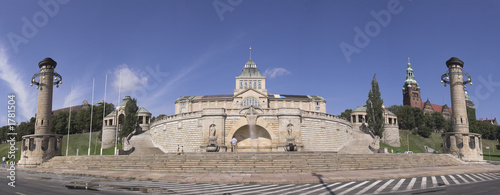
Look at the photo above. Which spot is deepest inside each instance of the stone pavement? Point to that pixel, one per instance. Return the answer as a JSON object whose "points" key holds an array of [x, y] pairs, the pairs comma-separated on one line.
{"points": [[277, 178]]}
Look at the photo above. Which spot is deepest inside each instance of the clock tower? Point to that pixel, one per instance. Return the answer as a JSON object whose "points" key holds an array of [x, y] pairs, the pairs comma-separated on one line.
{"points": [[411, 89]]}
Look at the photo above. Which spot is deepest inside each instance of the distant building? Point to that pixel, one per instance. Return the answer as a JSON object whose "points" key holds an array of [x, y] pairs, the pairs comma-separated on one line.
{"points": [[412, 97], [492, 121], [391, 127], [76, 108]]}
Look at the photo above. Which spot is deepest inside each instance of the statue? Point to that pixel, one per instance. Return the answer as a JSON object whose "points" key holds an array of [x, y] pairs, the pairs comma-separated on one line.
{"points": [[212, 130], [289, 128]]}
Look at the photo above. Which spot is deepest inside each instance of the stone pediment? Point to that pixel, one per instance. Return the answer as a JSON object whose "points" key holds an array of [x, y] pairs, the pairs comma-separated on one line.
{"points": [[250, 92]]}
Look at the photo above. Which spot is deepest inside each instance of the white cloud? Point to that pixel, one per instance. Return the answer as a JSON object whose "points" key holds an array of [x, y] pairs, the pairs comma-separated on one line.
{"points": [[275, 72], [25, 98], [74, 96], [131, 80]]}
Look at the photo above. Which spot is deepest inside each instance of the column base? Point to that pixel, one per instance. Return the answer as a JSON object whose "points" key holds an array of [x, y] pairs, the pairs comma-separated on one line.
{"points": [[465, 146], [37, 149]]}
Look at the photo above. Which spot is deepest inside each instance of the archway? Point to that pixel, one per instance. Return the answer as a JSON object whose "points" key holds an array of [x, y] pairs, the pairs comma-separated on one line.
{"points": [[261, 139]]}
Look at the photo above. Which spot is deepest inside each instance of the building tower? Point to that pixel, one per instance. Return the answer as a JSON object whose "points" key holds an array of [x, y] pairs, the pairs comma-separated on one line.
{"points": [[460, 142], [43, 145], [250, 77], [411, 89]]}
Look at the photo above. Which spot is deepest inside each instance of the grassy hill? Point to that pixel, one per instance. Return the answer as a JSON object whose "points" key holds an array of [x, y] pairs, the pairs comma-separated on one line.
{"points": [[76, 141], [416, 144]]}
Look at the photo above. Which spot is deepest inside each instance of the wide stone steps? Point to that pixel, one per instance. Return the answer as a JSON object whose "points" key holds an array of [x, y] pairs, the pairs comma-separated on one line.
{"points": [[291, 162]]}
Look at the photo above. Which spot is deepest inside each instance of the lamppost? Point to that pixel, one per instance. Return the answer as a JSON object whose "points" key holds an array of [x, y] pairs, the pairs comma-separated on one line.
{"points": [[43, 145], [457, 142]]}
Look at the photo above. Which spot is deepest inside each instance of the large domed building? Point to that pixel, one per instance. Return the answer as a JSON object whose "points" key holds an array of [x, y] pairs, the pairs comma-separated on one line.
{"points": [[260, 121]]}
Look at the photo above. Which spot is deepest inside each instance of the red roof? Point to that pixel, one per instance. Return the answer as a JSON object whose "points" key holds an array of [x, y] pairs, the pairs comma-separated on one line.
{"points": [[436, 108]]}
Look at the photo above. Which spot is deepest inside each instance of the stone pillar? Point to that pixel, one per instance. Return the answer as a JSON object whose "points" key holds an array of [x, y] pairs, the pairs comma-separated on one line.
{"points": [[43, 145], [460, 142]]}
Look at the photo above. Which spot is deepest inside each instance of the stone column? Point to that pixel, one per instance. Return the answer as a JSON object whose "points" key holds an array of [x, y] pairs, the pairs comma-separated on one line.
{"points": [[43, 145], [460, 142]]}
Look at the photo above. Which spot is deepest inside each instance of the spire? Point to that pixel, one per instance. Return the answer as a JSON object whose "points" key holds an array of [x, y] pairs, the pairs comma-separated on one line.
{"points": [[410, 78], [250, 52]]}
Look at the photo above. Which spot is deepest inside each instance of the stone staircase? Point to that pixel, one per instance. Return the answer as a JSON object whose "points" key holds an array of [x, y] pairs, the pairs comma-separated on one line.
{"points": [[143, 145], [282, 162]]}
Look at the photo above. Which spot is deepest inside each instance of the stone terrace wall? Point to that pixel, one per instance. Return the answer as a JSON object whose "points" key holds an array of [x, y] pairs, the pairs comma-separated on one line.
{"points": [[181, 129], [324, 132]]}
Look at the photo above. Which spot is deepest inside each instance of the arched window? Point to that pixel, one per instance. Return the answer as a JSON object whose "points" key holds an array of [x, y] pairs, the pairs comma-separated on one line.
{"points": [[250, 101]]}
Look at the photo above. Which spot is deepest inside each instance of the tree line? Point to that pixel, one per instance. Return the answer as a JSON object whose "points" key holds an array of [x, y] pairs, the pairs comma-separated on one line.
{"points": [[414, 119], [80, 122]]}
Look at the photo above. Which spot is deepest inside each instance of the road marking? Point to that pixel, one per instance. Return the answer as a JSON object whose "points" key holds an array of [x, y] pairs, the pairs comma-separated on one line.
{"points": [[352, 188], [423, 185], [445, 180], [368, 187], [383, 186], [463, 179], [20, 193], [470, 178], [434, 182], [492, 175], [338, 188], [487, 176], [253, 192], [454, 180], [410, 185], [396, 187], [326, 188], [246, 188], [298, 186], [482, 179], [304, 188]]}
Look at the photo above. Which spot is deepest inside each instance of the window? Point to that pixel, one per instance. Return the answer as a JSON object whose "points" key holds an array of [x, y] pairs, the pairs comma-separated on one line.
{"points": [[250, 101], [317, 109], [140, 120], [255, 84], [241, 84], [183, 110], [259, 85], [245, 84], [317, 103]]}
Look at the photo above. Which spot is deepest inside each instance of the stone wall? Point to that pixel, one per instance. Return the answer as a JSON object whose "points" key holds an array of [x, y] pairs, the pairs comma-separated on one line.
{"points": [[391, 135], [313, 131], [325, 133], [108, 136]]}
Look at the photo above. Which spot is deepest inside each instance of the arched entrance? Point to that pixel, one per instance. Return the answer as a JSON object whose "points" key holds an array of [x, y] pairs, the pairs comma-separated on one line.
{"points": [[261, 141]]}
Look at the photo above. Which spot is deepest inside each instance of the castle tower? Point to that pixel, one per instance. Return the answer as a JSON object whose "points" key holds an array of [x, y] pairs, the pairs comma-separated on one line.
{"points": [[411, 89], [250, 77], [43, 145], [460, 142]]}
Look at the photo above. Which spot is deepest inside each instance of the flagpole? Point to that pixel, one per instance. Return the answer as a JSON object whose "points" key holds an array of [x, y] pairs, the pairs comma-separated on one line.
{"points": [[91, 115], [104, 109], [69, 120], [117, 114]]}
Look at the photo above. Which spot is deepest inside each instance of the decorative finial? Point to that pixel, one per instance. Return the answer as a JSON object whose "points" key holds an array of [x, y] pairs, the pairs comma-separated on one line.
{"points": [[408, 59], [250, 52]]}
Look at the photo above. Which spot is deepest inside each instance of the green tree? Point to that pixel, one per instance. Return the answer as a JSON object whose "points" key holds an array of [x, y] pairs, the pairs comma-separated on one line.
{"points": [[346, 114], [81, 121], [439, 121], [374, 110], [428, 121], [60, 122], [406, 118], [394, 109], [424, 131], [418, 115], [130, 122]]}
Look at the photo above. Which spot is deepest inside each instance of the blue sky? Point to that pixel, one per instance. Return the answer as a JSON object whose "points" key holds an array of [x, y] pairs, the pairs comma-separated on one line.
{"points": [[167, 49]]}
